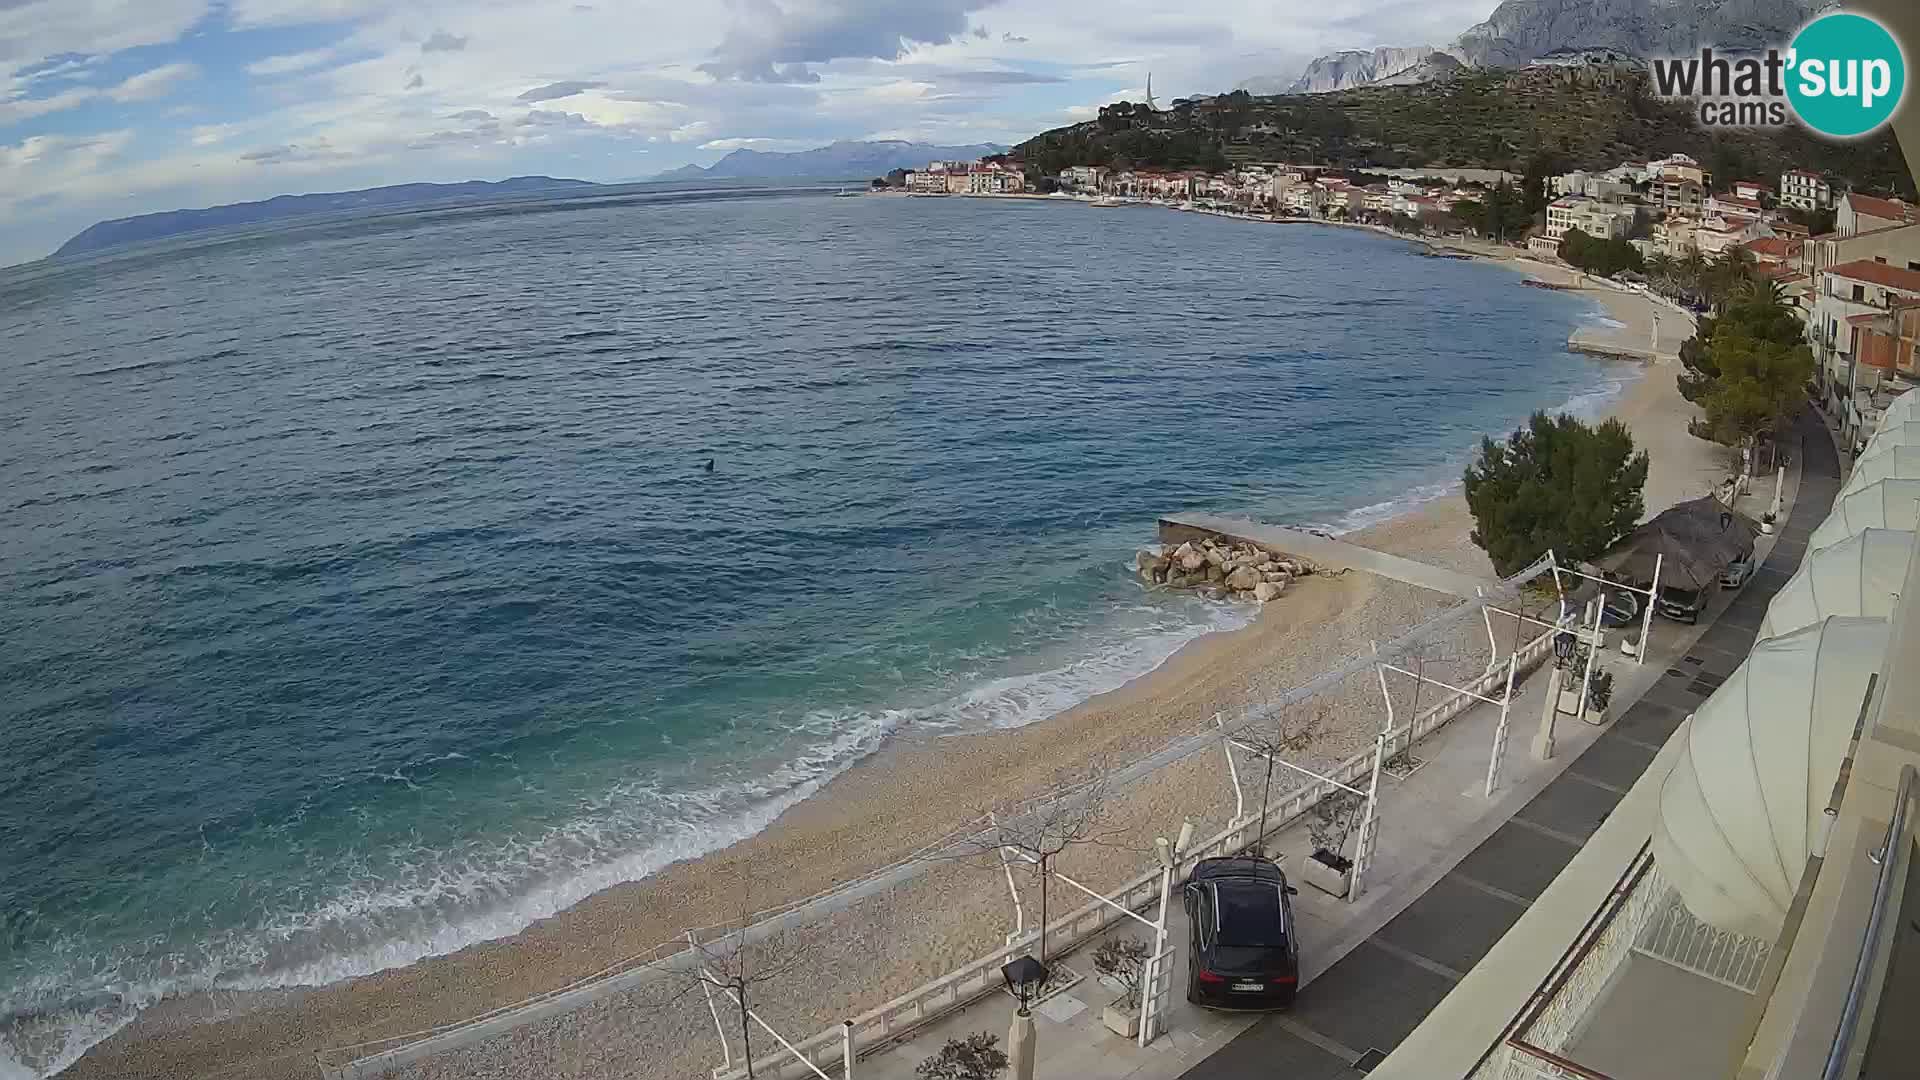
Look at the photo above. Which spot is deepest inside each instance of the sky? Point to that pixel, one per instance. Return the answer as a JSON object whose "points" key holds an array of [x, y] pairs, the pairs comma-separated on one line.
{"points": [[112, 108]]}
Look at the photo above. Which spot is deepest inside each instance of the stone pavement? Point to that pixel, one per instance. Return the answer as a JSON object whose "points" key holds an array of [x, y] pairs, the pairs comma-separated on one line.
{"points": [[1352, 1016]]}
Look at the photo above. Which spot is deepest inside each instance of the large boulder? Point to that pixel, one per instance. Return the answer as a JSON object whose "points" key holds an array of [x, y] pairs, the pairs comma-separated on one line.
{"points": [[1244, 578], [1216, 575], [1216, 556], [1192, 560], [1267, 590]]}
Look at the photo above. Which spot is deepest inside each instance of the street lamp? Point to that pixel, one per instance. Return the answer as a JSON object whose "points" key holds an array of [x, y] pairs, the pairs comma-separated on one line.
{"points": [[1024, 978]]}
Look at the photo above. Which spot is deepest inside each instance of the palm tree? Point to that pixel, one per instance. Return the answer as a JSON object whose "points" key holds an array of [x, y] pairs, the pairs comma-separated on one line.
{"points": [[1758, 288]]}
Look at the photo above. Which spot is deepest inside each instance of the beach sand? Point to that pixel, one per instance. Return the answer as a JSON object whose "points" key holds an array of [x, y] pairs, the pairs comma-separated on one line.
{"points": [[915, 790]]}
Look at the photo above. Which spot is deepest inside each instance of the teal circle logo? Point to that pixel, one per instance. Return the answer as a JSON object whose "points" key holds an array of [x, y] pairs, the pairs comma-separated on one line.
{"points": [[1845, 75]]}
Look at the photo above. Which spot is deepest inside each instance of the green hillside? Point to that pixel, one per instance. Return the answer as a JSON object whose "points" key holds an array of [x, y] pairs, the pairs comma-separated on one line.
{"points": [[1552, 120]]}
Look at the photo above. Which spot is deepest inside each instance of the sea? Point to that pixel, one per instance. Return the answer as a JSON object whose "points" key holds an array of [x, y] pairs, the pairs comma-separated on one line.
{"points": [[379, 587]]}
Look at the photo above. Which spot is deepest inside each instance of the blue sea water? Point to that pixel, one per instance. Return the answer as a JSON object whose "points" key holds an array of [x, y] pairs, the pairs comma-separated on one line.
{"points": [[364, 592]]}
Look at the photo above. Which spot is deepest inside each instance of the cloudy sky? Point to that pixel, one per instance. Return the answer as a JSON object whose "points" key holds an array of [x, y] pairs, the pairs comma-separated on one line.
{"points": [[110, 108]]}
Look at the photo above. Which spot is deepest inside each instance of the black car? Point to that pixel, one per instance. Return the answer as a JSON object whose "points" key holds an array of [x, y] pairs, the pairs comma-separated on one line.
{"points": [[1681, 605], [1243, 953]]}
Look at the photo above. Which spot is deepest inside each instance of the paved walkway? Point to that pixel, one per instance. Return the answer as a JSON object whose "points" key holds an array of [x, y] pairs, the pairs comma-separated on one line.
{"points": [[1332, 554], [1350, 1017]]}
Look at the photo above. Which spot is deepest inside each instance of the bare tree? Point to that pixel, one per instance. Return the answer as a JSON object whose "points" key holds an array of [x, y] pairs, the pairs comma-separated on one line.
{"points": [[1038, 831], [1290, 735], [738, 968]]}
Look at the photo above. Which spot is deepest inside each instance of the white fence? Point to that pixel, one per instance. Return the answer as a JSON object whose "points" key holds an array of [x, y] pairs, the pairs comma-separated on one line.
{"points": [[1675, 936]]}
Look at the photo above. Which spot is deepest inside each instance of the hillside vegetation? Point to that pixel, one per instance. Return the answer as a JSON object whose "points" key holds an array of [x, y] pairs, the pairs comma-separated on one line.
{"points": [[1551, 119]]}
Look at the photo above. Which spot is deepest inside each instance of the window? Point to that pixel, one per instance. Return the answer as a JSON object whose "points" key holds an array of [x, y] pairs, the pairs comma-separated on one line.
{"points": [[1881, 259], [1860, 294]]}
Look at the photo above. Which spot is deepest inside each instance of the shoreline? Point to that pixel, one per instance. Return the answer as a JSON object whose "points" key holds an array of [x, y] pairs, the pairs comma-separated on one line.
{"points": [[912, 788]]}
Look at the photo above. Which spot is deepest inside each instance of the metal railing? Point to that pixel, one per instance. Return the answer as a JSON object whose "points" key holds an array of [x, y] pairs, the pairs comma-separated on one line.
{"points": [[1887, 858]]}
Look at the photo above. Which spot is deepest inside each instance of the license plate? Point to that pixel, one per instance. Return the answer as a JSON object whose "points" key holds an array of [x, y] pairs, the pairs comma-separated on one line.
{"points": [[1253, 986]]}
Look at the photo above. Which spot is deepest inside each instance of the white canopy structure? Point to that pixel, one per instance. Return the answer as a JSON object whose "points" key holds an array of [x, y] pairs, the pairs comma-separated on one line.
{"points": [[1861, 576], [1906, 433], [1896, 463], [1742, 808], [1886, 504], [1903, 409]]}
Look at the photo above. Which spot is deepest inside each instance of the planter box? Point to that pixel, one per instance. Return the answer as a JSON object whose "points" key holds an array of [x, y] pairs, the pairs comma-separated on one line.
{"points": [[1569, 702], [1767, 527], [1328, 873], [1121, 1020]]}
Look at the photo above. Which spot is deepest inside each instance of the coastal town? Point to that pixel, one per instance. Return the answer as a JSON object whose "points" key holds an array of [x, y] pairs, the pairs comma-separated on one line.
{"points": [[1846, 262]]}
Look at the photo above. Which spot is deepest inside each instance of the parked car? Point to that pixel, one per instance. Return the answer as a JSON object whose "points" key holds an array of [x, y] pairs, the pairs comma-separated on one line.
{"points": [[1243, 953], [1735, 575], [1681, 605]]}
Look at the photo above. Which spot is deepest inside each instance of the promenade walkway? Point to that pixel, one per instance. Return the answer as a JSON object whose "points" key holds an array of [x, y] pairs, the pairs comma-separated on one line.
{"points": [[1331, 554], [1353, 1015]]}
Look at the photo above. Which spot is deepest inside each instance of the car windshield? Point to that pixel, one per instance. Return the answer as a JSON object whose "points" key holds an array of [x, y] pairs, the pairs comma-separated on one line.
{"points": [[1250, 916]]}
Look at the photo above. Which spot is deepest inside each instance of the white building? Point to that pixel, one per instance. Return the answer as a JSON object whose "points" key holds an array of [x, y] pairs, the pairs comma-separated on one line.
{"points": [[1805, 190], [1608, 221]]}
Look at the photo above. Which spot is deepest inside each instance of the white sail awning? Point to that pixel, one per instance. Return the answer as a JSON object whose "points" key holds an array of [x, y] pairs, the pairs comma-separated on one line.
{"points": [[1904, 408], [1860, 576], [1895, 463], [1885, 504], [1741, 810], [1901, 434]]}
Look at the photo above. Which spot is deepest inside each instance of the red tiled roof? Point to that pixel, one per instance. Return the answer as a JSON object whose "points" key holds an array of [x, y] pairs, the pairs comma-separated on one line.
{"points": [[1735, 200], [1887, 209], [1803, 172], [1887, 277], [1778, 247]]}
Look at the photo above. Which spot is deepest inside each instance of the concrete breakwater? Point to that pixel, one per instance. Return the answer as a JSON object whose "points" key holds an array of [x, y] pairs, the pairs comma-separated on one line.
{"points": [[1229, 568]]}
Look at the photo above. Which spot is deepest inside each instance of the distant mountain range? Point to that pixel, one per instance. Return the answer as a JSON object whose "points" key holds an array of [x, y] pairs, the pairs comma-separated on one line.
{"points": [[1520, 31], [844, 160], [145, 227]]}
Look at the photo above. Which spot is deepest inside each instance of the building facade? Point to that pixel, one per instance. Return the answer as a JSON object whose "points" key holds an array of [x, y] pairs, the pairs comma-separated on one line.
{"points": [[1804, 190]]}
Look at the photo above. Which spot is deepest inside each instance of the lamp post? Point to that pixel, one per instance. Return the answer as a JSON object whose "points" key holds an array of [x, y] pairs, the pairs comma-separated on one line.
{"points": [[1024, 977], [1564, 644]]}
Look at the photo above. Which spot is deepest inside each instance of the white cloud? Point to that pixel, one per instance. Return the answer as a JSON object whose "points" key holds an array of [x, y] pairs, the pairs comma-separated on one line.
{"points": [[33, 31], [153, 83], [693, 132], [298, 12], [288, 63], [41, 160], [18, 109], [210, 134], [758, 144]]}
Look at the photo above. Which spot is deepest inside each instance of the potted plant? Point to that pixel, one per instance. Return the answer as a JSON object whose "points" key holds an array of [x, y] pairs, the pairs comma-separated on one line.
{"points": [[1124, 960], [1766, 523], [1328, 869], [1600, 694], [976, 1057]]}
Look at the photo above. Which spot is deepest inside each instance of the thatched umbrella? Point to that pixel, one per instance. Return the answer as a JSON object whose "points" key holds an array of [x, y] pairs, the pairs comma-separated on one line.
{"points": [[1693, 541]]}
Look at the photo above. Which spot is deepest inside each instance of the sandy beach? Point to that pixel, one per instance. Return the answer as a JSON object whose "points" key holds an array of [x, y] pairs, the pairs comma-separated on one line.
{"points": [[916, 789]]}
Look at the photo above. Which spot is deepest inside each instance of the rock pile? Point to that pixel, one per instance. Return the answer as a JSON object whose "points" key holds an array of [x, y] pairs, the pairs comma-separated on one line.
{"points": [[1227, 568]]}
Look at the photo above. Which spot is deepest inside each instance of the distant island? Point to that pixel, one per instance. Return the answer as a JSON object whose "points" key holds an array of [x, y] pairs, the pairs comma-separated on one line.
{"points": [[844, 160], [145, 227]]}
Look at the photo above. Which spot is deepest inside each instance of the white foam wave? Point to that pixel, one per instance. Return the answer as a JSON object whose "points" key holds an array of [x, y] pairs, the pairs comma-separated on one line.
{"points": [[1013, 701], [415, 904]]}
